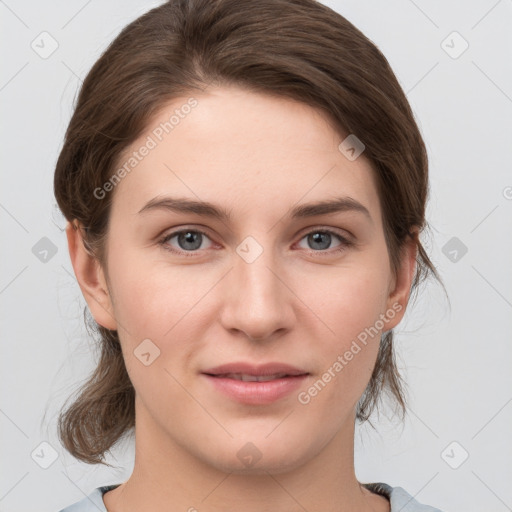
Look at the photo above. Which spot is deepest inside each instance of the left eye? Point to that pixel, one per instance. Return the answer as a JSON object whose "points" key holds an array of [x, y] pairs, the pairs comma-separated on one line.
{"points": [[320, 240]]}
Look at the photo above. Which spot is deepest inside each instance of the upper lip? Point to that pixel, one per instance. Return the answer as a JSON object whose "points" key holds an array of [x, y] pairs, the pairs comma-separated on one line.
{"points": [[262, 370]]}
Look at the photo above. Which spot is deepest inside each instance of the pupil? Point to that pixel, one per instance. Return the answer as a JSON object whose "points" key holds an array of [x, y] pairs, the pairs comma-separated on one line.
{"points": [[190, 237], [317, 239]]}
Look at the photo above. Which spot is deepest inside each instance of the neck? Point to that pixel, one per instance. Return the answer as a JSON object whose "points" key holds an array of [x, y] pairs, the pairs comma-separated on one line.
{"points": [[167, 475]]}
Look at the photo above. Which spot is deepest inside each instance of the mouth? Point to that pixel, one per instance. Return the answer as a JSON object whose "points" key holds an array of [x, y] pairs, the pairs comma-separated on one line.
{"points": [[244, 369], [245, 377], [255, 385]]}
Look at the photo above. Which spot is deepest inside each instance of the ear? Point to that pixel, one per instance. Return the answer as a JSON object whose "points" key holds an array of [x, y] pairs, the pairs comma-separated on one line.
{"points": [[90, 277], [400, 287]]}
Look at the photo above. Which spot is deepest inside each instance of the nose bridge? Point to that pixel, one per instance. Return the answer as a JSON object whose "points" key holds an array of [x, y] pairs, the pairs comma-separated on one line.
{"points": [[259, 303]]}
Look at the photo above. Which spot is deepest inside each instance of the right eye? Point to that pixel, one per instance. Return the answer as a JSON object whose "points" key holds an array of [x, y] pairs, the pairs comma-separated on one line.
{"points": [[188, 240]]}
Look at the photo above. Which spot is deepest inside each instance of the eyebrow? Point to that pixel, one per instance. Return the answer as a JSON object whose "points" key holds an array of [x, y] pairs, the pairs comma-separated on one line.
{"points": [[206, 209]]}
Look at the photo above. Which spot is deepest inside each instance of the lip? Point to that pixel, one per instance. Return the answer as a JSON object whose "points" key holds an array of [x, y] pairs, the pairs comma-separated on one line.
{"points": [[256, 370], [256, 393]]}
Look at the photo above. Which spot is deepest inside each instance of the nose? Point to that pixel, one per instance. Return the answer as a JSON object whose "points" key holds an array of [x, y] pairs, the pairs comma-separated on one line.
{"points": [[257, 299]]}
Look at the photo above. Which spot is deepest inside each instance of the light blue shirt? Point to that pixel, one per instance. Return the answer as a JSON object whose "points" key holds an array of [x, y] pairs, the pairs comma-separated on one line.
{"points": [[400, 500]]}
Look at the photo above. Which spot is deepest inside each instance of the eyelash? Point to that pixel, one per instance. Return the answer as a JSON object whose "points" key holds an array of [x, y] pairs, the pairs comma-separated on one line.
{"points": [[345, 243]]}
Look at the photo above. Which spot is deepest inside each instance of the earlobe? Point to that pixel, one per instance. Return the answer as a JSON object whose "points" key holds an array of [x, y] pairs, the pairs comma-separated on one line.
{"points": [[403, 281], [90, 277]]}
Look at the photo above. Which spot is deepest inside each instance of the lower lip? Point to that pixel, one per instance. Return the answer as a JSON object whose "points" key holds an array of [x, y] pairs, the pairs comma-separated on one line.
{"points": [[257, 393]]}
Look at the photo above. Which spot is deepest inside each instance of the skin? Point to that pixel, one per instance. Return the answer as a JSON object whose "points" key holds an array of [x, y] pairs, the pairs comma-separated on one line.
{"points": [[257, 156]]}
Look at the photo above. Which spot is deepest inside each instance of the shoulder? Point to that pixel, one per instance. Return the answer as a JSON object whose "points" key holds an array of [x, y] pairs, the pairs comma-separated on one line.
{"points": [[400, 499], [91, 503]]}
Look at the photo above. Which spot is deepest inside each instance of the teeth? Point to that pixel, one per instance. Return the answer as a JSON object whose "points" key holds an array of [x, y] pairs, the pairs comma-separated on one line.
{"points": [[253, 378]]}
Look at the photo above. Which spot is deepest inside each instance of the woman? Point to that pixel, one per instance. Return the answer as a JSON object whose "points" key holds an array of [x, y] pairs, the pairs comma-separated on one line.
{"points": [[245, 186]]}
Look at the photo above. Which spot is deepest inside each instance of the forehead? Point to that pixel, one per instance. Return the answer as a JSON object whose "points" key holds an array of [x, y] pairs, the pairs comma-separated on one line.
{"points": [[243, 149]]}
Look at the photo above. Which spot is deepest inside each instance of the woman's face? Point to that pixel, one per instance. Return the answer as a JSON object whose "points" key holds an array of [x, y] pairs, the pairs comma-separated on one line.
{"points": [[266, 279]]}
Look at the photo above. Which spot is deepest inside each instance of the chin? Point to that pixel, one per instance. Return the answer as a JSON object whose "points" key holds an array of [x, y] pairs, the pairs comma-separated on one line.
{"points": [[260, 456]]}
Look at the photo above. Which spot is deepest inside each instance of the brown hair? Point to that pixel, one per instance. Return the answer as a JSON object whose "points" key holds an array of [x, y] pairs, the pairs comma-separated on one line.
{"points": [[298, 49]]}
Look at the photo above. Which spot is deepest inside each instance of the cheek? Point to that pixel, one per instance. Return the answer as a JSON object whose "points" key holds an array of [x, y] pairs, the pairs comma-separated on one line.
{"points": [[153, 306], [346, 300], [348, 305], [151, 297]]}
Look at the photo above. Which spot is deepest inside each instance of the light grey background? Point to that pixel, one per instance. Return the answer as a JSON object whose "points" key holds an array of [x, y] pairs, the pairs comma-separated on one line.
{"points": [[457, 362]]}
